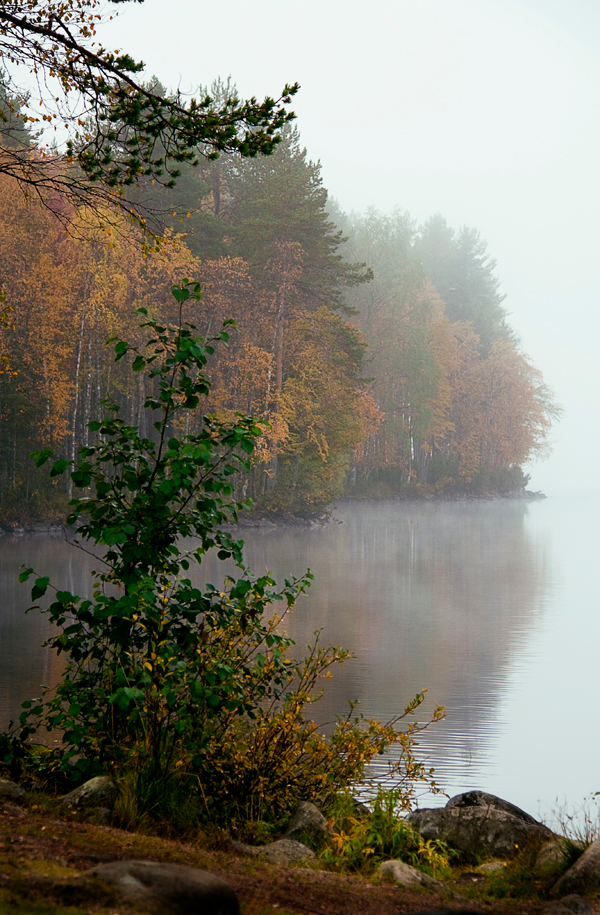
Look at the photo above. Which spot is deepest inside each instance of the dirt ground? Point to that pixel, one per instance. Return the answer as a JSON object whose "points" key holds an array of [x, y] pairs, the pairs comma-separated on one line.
{"points": [[43, 864]]}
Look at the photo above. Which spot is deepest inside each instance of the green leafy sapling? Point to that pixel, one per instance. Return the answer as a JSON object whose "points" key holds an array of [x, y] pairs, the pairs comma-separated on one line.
{"points": [[145, 663], [181, 691]]}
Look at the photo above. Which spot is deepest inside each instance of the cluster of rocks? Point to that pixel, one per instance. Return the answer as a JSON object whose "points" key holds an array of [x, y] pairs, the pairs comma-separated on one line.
{"points": [[477, 823], [474, 823]]}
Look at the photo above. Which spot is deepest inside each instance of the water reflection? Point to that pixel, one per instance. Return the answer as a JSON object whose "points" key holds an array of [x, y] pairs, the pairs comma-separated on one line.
{"points": [[443, 596], [24, 664], [427, 595]]}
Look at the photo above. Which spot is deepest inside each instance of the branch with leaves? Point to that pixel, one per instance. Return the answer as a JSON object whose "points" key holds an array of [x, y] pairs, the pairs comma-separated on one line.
{"points": [[120, 130]]}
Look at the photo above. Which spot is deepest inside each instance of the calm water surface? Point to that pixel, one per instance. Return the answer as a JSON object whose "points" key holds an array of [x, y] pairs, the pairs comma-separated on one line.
{"points": [[491, 606]]}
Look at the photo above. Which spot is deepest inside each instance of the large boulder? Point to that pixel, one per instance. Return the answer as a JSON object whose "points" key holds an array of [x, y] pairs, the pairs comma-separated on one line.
{"points": [[483, 799], [584, 875], [477, 830], [10, 791], [97, 792], [169, 888], [308, 826]]}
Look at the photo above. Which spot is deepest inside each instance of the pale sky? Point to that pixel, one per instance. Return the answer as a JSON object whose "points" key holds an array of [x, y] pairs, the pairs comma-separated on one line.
{"points": [[486, 111]]}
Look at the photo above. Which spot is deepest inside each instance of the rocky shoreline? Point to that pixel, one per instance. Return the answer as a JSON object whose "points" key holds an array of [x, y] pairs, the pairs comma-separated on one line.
{"points": [[103, 865]]}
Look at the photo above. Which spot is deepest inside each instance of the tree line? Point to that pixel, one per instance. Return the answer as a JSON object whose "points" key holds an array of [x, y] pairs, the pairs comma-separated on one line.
{"points": [[376, 352]]}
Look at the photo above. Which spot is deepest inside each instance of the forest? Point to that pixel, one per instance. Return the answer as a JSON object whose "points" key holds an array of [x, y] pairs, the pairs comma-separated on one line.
{"points": [[376, 352]]}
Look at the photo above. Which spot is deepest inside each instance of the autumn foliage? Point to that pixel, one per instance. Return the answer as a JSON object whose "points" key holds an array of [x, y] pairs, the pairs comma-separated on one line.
{"points": [[370, 372]]}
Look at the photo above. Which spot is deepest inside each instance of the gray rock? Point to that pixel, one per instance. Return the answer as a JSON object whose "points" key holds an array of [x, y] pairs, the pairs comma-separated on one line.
{"points": [[568, 905], [308, 826], [551, 855], [360, 810], [10, 790], [477, 830], [286, 851], [405, 875], [94, 793], [170, 888], [584, 875], [99, 816], [491, 867], [10, 811], [482, 799]]}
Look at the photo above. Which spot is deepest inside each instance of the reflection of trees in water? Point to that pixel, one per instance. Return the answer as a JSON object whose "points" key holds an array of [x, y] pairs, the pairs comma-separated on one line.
{"points": [[438, 595], [24, 664]]}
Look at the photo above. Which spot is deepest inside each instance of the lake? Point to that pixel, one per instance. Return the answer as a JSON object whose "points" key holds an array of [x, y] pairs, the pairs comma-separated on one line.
{"points": [[492, 606]]}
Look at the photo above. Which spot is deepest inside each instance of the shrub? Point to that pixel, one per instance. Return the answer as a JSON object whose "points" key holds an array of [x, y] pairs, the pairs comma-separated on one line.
{"points": [[189, 696], [363, 838]]}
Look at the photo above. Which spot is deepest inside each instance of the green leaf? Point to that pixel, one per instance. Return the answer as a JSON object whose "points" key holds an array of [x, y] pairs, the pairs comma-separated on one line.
{"points": [[181, 294], [40, 587], [59, 467], [40, 457]]}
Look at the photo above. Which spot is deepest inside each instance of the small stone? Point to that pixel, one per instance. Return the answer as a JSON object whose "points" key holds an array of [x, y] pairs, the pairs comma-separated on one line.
{"points": [[286, 851], [491, 867], [11, 790], [169, 888], [92, 793], [406, 875], [10, 811]]}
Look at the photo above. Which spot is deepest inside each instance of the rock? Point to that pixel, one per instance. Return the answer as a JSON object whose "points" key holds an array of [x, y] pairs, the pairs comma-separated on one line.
{"points": [[10, 811], [568, 905], [99, 816], [551, 855], [477, 830], [482, 799], [286, 851], [360, 810], [10, 790], [92, 793], [405, 875], [584, 875], [171, 888], [308, 826], [238, 848], [491, 867]]}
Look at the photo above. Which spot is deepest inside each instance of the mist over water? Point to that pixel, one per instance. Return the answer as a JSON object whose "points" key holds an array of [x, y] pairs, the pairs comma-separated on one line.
{"points": [[490, 605]]}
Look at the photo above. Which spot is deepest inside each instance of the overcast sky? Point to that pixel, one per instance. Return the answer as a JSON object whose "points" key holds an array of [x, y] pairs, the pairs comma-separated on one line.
{"points": [[486, 111]]}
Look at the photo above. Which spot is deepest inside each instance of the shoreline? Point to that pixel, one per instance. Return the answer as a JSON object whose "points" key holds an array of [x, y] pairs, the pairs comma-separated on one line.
{"points": [[55, 528]]}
